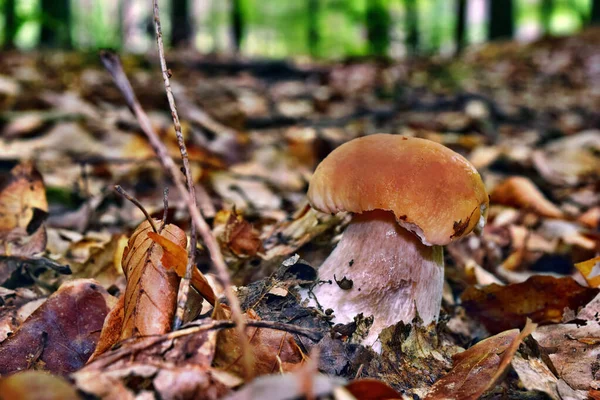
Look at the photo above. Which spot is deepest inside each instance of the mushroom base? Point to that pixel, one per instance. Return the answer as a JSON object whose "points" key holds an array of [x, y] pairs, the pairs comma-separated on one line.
{"points": [[393, 274]]}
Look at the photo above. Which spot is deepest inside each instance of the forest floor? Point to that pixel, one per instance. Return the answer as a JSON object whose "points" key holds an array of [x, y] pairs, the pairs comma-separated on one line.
{"points": [[526, 116]]}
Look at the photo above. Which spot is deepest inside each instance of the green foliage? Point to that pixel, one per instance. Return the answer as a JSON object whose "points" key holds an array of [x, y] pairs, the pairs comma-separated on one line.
{"points": [[328, 29]]}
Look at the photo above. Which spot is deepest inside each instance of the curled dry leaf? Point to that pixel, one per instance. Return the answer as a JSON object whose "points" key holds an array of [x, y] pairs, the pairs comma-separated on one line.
{"points": [[176, 257], [62, 333], [273, 350], [236, 234], [590, 270], [541, 298], [479, 368], [23, 209], [518, 191], [36, 385], [151, 293]]}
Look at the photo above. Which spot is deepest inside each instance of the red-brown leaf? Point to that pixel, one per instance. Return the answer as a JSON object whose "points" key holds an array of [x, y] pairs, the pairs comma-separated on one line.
{"points": [[62, 333]]}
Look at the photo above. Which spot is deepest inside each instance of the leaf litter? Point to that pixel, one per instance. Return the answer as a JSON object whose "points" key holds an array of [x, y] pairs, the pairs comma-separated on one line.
{"points": [[64, 145]]}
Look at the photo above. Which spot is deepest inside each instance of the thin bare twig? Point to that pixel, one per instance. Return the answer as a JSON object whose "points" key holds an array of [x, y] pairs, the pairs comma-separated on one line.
{"points": [[184, 284], [165, 207], [113, 65], [139, 205]]}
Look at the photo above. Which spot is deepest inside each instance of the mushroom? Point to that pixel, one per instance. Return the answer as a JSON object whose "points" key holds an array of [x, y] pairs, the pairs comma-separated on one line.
{"points": [[409, 197]]}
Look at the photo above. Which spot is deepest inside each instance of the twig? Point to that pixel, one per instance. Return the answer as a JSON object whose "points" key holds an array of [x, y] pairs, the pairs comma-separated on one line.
{"points": [[139, 344], [135, 201], [184, 284], [113, 65], [165, 207]]}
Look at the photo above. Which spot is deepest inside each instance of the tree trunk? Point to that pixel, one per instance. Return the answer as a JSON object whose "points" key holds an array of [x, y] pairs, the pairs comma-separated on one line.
{"points": [[10, 24], [412, 26], [237, 24], [547, 7], [501, 19], [461, 25], [595, 14], [56, 24], [181, 28], [314, 36], [378, 27]]}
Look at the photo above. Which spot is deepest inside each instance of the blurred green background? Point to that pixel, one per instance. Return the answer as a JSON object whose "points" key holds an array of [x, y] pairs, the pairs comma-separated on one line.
{"points": [[326, 29]]}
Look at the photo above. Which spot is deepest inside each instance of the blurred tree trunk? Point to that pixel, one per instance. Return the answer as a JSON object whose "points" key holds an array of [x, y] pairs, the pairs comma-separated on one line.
{"points": [[378, 27], [412, 26], [56, 24], [314, 36], [461, 25], [238, 23], [10, 24], [436, 30], [547, 8], [181, 28], [501, 19], [595, 14]]}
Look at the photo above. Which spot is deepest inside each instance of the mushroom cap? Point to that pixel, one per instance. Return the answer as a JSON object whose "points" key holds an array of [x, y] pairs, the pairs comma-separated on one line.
{"points": [[432, 190]]}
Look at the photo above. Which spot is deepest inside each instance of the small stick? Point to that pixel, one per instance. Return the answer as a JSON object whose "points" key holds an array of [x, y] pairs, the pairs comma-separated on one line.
{"points": [[184, 284], [139, 205], [113, 65], [165, 207]]}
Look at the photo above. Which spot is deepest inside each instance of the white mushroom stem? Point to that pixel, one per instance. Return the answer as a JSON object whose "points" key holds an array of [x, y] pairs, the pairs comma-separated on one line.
{"points": [[392, 272]]}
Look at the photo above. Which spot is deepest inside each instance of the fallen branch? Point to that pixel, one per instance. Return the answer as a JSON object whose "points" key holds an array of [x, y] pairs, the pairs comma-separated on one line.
{"points": [[113, 65]]}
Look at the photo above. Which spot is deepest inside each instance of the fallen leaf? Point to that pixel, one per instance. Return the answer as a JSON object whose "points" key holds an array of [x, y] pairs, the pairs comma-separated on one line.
{"points": [[518, 191], [176, 257], [237, 234], [36, 385], [284, 387], [111, 329], [590, 218], [590, 270], [479, 368], [23, 209], [273, 350], [541, 298], [572, 353], [371, 389], [173, 365], [62, 333]]}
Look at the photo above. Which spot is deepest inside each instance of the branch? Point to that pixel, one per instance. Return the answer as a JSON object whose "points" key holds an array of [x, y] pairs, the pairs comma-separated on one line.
{"points": [[113, 65], [184, 285]]}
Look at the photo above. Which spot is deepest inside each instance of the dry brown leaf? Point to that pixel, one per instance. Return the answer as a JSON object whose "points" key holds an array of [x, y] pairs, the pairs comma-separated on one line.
{"points": [[590, 218], [174, 365], [518, 191], [151, 293], [176, 257], [36, 385], [23, 209], [541, 298], [573, 352], [590, 271], [371, 389], [111, 329], [479, 368], [237, 234], [62, 333], [273, 350]]}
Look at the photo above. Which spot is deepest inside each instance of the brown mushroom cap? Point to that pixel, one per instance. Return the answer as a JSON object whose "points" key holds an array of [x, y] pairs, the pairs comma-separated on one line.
{"points": [[431, 190]]}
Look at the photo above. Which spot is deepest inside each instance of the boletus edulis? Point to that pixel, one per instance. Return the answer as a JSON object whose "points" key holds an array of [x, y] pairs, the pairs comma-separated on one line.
{"points": [[409, 197]]}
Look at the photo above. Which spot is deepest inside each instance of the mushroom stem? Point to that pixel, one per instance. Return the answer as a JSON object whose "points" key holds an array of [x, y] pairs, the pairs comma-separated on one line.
{"points": [[391, 271]]}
